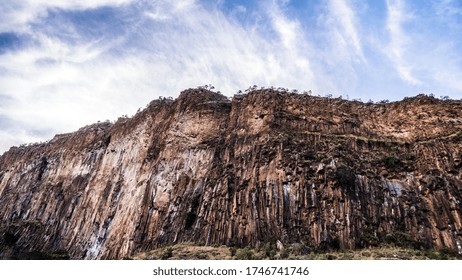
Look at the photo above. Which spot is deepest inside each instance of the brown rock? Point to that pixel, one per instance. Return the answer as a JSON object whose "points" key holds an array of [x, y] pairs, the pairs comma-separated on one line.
{"points": [[265, 166]]}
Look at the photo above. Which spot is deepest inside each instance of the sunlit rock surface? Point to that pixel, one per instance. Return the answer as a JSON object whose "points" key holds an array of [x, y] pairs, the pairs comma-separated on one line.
{"points": [[264, 166]]}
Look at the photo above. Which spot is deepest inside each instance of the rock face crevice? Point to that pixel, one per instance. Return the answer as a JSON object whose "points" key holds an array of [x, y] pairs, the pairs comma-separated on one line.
{"points": [[264, 166]]}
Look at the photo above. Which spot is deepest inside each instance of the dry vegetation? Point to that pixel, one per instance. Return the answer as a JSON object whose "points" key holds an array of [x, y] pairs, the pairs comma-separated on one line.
{"points": [[189, 251]]}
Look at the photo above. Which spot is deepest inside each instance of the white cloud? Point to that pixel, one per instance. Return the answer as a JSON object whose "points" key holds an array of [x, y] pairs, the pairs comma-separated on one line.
{"points": [[288, 30], [445, 8], [292, 46], [157, 16], [426, 58], [183, 4], [337, 47], [442, 66], [399, 42], [18, 14], [241, 9], [58, 87], [343, 22]]}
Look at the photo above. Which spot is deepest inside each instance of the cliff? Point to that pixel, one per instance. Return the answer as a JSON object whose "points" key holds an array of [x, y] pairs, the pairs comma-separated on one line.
{"points": [[266, 166]]}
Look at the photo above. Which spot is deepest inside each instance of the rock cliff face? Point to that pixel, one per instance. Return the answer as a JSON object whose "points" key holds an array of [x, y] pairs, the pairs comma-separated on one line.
{"points": [[265, 166]]}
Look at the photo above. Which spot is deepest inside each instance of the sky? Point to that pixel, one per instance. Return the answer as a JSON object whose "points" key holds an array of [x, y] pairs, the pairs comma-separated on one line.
{"points": [[68, 63]]}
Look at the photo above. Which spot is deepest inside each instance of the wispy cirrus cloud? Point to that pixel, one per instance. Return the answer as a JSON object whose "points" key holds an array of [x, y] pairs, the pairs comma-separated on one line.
{"points": [[344, 28], [337, 47], [18, 14], [293, 47], [448, 8], [399, 40], [423, 45]]}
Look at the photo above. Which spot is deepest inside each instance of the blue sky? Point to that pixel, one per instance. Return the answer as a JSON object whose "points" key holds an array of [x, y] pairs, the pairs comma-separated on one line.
{"points": [[68, 63]]}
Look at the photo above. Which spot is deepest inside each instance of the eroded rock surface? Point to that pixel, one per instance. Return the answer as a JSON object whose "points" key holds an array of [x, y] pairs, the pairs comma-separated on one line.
{"points": [[265, 166]]}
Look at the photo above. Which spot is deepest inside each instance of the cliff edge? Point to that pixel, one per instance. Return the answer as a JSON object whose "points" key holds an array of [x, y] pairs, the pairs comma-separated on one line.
{"points": [[264, 166]]}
